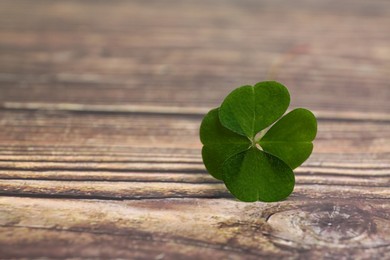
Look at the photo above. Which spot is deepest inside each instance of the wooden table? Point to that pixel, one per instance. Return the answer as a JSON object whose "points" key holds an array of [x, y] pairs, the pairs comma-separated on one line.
{"points": [[101, 103]]}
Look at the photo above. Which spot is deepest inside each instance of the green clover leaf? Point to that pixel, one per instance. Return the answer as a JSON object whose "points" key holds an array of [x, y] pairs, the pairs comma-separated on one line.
{"points": [[291, 137], [249, 109], [219, 143], [253, 169], [255, 175]]}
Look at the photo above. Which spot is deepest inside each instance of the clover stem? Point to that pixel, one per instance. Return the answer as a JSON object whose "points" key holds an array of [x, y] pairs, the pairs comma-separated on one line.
{"points": [[259, 135], [253, 140], [255, 143], [256, 139]]}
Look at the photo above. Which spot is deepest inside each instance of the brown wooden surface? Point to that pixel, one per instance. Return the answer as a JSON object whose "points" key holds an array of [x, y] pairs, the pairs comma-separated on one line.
{"points": [[100, 106]]}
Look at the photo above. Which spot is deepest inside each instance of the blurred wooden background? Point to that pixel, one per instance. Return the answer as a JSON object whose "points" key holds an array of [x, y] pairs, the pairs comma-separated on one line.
{"points": [[100, 106]]}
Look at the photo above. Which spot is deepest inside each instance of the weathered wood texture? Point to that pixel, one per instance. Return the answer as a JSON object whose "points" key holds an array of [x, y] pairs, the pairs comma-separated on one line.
{"points": [[100, 106]]}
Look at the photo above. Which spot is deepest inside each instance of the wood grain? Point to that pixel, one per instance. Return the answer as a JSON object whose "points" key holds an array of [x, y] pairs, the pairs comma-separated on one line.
{"points": [[195, 228], [194, 53], [100, 107]]}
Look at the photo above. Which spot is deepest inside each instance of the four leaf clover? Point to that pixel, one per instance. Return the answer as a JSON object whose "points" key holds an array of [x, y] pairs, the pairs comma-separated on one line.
{"points": [[256, 164]]}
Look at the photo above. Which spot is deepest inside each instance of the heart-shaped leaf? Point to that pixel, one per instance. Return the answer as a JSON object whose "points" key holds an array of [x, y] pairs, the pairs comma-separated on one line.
{"points": [[219, 143], [291, 137], [230, 151], [255, 175], [249, 109]]}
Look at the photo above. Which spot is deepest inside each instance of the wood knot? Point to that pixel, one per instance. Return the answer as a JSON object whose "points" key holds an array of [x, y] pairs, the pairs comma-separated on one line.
{"points": [[330, 224], [334, 223]]}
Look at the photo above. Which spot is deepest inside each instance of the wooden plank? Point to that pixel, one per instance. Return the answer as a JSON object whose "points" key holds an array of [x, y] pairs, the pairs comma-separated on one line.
{"points": [[156, 229], [146, 190], [141, 130], [138, 59]]}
